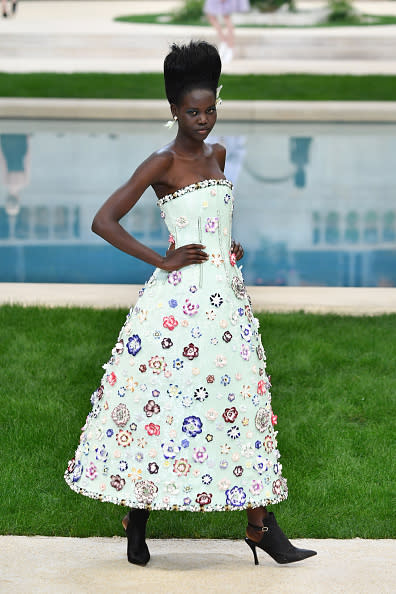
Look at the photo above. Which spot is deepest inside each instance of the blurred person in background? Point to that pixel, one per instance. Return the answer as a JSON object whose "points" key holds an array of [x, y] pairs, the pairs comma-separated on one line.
{"points": [[13, 7], [217, 11]]}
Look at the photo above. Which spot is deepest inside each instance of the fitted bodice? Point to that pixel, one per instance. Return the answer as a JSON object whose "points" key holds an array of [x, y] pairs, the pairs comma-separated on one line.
{"points": [[200, 213]]}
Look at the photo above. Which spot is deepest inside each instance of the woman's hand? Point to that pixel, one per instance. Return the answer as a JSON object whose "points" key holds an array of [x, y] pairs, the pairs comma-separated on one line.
{"points": [[237, 249], [185, 255]]}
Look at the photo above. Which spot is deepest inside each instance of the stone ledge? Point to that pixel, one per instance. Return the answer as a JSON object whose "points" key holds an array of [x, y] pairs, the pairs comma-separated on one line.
{"points": [[338, 300], [153, 109]]}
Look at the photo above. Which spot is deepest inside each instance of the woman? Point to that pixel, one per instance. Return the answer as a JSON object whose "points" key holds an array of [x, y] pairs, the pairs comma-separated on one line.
{"points": [[182, 419]]}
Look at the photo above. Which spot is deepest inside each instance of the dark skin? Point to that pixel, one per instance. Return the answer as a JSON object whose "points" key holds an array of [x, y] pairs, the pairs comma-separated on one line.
{"points": [[184, 161]]}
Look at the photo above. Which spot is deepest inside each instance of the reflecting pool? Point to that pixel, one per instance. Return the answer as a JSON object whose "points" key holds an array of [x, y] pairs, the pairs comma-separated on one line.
{"points": [[315, 204]]}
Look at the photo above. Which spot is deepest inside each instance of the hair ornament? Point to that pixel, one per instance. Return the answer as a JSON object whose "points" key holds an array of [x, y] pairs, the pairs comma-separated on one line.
{"points": [[219, 100], [170, 123]]}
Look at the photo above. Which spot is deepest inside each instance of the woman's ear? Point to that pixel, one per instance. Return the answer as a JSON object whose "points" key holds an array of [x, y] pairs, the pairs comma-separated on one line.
{"points": [[173, 108]]}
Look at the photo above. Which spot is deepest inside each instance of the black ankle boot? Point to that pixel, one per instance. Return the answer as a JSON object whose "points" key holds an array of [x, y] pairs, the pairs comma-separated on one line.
{"points": [[137, 549], [275, 543]]}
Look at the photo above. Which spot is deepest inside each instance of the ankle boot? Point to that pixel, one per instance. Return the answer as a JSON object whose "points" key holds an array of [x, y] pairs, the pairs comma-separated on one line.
{"points": [[137, 549], [275, 543]]}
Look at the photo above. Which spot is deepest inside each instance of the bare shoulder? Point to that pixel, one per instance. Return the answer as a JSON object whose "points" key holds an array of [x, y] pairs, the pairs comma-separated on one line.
{"points": [[219, 152]]}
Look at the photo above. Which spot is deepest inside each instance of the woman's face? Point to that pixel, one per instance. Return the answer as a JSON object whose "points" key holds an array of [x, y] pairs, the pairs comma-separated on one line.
{"points": [[196, 113]]}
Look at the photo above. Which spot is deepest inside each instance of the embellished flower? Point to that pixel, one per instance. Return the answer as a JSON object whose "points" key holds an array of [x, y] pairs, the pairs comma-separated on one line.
{"points": [[211, 314], [209, 437], [117, 482], [145, 491], [261, 465], [191, 351], [190, 309], [77, 470], [174, 278], [123, 465], [227, 336], [170, 449], [233, 259], [196, 332], [181, 222], [173, 391], [91, 471], [225, 380], [204, 498], [153, 468], [142, 315], [235, 496], [238, 471], [274, 419], [200, 454], [260, 352], [111, 378], [234, 432], [134, 344], [262, 420], [172, 303], [152, 429], [238, 287], [211, 414], [142, 368], [256, 487], [220, 361], [124, 438], [245, 392], [216, 299], [192, 426], [119, 347], [157, 364], [206, 479], [101, 453], [227, 198], [268, 444], [181, 467], [121, 392], [166, 343], [178, 364], [212, 223], [200, 394], [245, 352], [247, 450], [157, 334], [193, 289], [278, 486], [261, 387], [171, 239], [170, 322], [210, 379], [155, 393], [216, 259], [230, 414], [187, 400], [120, 415], [223, 484]]}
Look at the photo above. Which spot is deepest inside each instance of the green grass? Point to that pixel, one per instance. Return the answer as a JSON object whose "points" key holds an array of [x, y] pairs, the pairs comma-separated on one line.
{"points": [[334, 386], [298, 87], [367, 21]]}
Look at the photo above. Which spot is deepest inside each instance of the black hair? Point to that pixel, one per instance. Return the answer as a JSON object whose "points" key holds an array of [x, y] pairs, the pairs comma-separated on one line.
{"points": [[192, 66]]}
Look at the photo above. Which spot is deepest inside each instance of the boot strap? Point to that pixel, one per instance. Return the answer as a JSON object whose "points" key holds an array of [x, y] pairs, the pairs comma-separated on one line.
{"points": [[259, 528]]}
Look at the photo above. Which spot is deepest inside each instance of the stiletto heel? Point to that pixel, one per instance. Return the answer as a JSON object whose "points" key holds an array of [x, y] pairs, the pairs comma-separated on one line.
{"points": [[135, 527], [252, 545], [275, 543]]}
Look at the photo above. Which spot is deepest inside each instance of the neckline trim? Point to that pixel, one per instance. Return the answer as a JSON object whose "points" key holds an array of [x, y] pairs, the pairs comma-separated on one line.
{"points": [[206, 183]]}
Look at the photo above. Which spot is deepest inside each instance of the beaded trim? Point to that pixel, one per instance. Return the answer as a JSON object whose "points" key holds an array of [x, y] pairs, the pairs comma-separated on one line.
{"points": [[193, 507], [206, 183]]}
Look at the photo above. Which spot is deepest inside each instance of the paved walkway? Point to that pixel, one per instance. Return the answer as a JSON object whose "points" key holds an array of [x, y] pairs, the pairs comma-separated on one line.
{"points": [[82, 36], [73, 565]]}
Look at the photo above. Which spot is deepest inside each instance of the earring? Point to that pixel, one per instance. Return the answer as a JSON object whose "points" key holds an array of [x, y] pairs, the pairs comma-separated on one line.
{"points": [[171, 123]]}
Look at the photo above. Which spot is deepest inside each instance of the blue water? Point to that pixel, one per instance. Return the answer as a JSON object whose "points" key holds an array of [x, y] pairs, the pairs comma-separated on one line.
{"points": [[315, 203]]}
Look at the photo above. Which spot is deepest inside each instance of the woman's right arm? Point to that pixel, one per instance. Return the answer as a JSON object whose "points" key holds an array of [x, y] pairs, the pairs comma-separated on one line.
{"points": [[106, 221]]}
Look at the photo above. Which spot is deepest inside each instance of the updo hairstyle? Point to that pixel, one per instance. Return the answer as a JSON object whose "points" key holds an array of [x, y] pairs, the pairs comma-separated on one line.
{"points": [[193, 66]]}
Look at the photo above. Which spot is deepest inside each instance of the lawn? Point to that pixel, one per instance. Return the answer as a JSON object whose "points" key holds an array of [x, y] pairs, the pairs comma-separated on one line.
{"points": [[334, 386], [250, 87]]}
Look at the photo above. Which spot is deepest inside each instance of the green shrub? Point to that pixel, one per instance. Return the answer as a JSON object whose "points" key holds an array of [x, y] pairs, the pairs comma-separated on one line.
{"points": [[192, 10], [272, 5], [341, 10]]}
